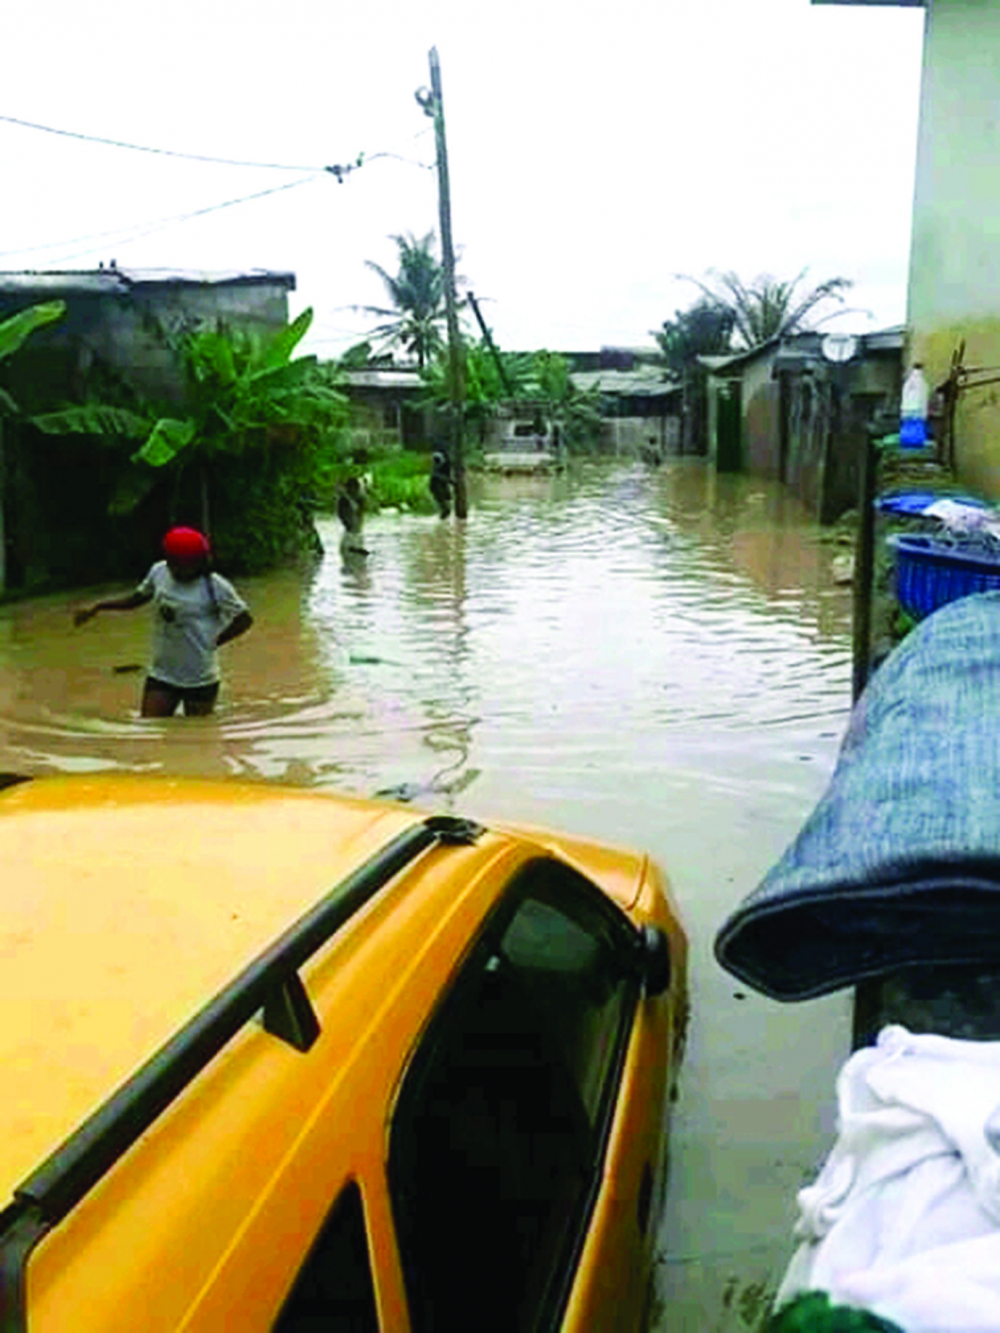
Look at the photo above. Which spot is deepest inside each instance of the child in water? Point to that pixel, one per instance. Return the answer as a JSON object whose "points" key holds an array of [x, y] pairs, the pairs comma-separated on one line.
{"points": [[194, 612]]}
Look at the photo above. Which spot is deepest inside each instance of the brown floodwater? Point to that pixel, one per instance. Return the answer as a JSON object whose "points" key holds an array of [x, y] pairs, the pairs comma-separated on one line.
{"points": [[657, 658]]}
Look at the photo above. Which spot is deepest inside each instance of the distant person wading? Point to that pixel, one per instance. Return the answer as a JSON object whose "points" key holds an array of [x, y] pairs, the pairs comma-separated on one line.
{"points": [[351, 512], [441, 484], [195, 611]]}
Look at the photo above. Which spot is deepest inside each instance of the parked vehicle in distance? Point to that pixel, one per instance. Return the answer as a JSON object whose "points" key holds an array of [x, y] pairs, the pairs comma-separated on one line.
{"points": [[280, 1060]]}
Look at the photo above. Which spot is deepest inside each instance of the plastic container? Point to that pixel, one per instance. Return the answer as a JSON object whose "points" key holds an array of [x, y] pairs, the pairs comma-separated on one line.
{"points": [[930, 573], [912, 504], [913, 410]]}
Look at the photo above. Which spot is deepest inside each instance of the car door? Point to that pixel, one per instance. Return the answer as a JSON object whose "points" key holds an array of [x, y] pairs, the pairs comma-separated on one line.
{"points": [[500, 1126]]}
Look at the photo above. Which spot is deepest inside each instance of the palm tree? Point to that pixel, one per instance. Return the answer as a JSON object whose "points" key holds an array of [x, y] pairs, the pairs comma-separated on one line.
{"points": [[767, 307], [417, 295]]}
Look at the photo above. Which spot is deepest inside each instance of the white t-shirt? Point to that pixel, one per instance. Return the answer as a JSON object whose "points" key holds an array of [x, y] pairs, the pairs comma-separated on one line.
{"points": [[186, 623]]}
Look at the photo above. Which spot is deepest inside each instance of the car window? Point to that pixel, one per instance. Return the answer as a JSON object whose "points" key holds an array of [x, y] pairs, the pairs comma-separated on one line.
{"points": [[334, 1291], [500, 1123]]}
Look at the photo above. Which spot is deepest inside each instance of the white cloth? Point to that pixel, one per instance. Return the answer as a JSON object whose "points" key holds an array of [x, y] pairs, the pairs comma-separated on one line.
{"points": [[187, 619], [904, 1217], [965, 520]]}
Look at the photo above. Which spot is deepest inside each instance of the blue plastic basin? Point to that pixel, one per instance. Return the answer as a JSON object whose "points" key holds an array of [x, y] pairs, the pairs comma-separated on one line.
{"points": [[930, 573]]}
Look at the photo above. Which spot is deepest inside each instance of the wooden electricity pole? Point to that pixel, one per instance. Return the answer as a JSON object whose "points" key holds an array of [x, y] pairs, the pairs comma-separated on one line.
{"points": [[456, 363], [491, 345]]}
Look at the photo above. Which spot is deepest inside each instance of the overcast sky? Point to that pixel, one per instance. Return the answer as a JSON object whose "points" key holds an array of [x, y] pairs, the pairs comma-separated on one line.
{"points": [[595, 152]]}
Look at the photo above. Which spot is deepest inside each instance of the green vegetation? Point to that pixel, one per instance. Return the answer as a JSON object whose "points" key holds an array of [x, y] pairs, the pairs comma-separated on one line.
{"points": [[14, 332], [398, 480], [539, 377], [256, 442], [704, 330], [812, 1312], [416, 291], [257, 438], [767, 307]]}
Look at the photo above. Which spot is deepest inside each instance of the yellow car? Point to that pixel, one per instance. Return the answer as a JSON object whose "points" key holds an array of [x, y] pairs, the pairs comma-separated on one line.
{"points": [[273, 1059]]}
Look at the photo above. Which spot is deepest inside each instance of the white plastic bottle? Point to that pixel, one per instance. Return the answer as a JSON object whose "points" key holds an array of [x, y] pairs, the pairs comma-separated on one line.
{"points": [[913, 413]]}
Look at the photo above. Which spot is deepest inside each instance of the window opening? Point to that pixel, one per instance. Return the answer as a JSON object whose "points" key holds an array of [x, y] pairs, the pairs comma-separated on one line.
{"points": [[502, 1118], [334, 1292]]}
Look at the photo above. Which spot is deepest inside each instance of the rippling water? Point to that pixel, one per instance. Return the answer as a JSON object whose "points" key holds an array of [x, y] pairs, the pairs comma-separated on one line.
{"points": [[657, 658]]}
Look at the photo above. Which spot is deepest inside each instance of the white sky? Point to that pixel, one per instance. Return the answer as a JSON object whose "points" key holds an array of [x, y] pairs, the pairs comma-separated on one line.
{"points": [[595, 152]]}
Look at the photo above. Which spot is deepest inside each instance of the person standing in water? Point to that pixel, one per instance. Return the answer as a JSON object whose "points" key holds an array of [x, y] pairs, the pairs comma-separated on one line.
{"points": [[441, 483], [195, 611], [351, 512]]}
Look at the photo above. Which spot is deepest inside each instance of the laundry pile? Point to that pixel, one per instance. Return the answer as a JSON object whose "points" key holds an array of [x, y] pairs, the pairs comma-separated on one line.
{"points": [[904, 1217]]}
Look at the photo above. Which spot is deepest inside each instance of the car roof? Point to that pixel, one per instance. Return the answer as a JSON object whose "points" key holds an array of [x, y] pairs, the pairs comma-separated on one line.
{"points": [[129, 902]]}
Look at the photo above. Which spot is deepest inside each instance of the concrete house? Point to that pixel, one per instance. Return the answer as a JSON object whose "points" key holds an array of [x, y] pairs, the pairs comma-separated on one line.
{"points": [[126, 321], [783, 410], [387, 407], [640, 407], [953, 311], [118, 340]]}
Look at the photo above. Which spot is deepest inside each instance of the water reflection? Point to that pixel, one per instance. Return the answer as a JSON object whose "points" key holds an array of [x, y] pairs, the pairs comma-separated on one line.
{"points": [[659, 658]]}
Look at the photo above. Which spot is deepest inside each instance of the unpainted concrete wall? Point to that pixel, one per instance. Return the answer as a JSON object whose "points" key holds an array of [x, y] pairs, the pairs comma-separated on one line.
{"points": [[129, 334], [954, 288]]}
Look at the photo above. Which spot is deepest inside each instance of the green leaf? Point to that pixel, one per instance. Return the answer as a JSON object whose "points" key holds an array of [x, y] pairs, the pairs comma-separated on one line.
{"points": [[279, 350], [17, 328], [93, 420], [132, 487], [284, 377], [7, 405], [211, 355], [167, 438]]}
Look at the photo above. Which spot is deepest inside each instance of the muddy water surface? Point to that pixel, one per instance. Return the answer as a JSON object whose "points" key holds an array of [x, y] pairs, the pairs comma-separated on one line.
{"points": [[655, 658]]}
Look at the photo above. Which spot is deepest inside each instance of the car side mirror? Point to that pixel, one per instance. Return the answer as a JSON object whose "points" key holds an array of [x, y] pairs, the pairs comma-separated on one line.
{"points": [[654, 955]]}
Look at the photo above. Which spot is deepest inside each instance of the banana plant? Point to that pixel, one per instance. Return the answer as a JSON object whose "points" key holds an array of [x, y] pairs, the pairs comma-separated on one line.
{"points": [[88, 419], [15, 330], [242, 388]]}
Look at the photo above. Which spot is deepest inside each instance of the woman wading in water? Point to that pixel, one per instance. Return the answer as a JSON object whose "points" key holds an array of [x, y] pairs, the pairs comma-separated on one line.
{"points": [[194, 612]]}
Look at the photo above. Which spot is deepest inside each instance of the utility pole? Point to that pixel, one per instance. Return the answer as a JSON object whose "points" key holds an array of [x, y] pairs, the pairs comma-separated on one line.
{"points": [[488, 339], [456, 364]]}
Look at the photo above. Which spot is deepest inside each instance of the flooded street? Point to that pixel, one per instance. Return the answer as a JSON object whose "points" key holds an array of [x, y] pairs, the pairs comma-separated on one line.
{"points": [[658, 658]]}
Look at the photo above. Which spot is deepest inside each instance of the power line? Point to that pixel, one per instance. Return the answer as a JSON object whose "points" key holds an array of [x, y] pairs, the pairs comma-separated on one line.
{"points": [[165, 152], [340, 170], [126, 236]]}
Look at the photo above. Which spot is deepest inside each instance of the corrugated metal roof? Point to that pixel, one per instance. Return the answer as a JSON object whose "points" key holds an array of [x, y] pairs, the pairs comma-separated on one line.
{"points": [[885, 340], [117, 281], [736, 359], [645, 382], [383, 379], [800, 347]]}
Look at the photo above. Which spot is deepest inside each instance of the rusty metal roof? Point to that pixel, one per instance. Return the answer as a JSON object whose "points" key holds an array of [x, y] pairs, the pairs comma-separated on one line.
{"points": [[644, 382], [118, 281]]}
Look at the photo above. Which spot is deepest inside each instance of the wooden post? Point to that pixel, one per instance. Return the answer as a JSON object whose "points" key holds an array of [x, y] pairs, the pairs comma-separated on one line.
{"points": [[488, 339], [456, 366], [864, 567]]}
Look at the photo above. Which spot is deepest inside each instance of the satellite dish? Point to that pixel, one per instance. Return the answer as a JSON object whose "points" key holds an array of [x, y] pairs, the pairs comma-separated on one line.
{"points": [[839, 347]]}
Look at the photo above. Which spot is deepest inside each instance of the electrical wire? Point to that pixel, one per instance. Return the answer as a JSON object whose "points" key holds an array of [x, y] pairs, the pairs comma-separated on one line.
{"points": [[337, 169], [161, 152], [126, 236]]}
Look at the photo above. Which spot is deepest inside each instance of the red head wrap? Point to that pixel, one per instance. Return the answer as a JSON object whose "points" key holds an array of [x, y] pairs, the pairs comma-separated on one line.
{"points": [[185, 545]]}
